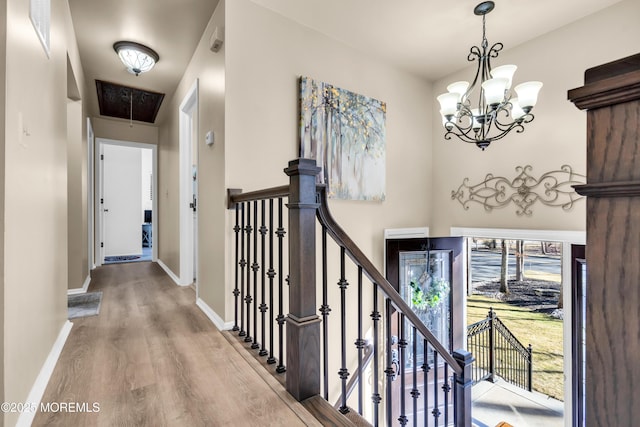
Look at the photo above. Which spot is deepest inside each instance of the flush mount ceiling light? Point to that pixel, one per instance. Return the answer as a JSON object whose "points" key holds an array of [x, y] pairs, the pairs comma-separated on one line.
{"points": [[137, 57], [496, 112]]}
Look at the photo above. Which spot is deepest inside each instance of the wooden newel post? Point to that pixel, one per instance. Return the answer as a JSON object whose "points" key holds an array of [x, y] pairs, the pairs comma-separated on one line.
{"points": [[303, 324], [464, 383]]}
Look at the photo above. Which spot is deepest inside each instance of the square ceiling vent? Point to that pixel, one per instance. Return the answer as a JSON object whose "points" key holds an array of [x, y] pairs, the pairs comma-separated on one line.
{"points": [[115, 100]]}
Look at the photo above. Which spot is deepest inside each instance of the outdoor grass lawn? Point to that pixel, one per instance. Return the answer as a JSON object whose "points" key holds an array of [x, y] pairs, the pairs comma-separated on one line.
{"points": [[543, 332]]}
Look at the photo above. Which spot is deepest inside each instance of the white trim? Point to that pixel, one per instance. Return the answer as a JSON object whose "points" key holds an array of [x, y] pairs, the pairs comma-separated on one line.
{"points": [[170, 273], [40, 385], [188, 132], [98, 254], [577, 237], [401, 233], [213, 316], [90, 195], [100, 142], [406, 233], [82, 290]]}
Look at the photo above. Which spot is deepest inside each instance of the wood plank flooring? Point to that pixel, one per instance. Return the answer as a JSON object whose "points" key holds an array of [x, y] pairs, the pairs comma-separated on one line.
{"points": [[152, 358]]}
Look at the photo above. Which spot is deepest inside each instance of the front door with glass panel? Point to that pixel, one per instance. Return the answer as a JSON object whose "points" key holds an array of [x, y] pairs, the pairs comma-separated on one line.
{"points": [[428, 273], [425, 285]]}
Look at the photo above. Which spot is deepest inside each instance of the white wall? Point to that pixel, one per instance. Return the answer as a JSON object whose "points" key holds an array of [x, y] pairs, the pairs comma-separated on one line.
{"points": [[209, 69], [35, 193], [266, 54], [556, 137], [146, 195]]}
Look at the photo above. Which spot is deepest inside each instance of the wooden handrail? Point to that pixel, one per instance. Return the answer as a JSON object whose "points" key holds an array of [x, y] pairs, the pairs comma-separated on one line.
{"points": [[359, 258], [237, 196]]}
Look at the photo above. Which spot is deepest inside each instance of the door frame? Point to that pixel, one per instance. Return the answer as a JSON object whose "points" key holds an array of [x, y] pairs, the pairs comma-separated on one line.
{"points": [[188, 132], [98, 207], [90, 196], [578, 295]]}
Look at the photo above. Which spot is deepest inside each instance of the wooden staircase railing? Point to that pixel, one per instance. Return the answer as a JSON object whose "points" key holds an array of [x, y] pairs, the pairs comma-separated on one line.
{"points": [[438, 386]]}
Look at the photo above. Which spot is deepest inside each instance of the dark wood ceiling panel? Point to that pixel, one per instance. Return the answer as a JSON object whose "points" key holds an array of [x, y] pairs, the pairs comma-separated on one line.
{"points": [[114, 100]]}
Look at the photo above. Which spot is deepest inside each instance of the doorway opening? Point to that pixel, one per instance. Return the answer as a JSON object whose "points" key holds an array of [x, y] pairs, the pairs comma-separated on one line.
{"points": [[125, 202], [530, 312]]}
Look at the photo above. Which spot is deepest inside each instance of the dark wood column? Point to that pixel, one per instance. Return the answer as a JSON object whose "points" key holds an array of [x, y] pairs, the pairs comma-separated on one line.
{"points": [[611, 96], [303, 324]]}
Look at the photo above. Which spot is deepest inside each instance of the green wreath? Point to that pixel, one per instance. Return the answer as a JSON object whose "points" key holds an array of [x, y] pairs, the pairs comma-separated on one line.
{"points": [[430, 297]]}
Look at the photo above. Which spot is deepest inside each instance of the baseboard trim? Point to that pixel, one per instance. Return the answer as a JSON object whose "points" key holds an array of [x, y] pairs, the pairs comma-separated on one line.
{"points": [[213, 316], [40, 385], [82, 290], [170, 273]]}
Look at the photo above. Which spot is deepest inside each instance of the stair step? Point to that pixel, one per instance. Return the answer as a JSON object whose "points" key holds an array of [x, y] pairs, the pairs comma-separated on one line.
{"points": [[329, 416]]}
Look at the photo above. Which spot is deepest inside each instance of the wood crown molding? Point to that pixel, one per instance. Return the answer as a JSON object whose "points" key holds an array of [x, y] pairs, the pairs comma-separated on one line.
{"points": [[610, 189], [601, 93]]}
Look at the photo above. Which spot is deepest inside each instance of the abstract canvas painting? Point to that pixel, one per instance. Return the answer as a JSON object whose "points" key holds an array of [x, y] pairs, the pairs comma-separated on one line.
{"points": [[345, 133]]}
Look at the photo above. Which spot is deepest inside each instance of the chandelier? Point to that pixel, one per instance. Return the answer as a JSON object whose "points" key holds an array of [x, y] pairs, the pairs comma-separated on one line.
{"points": [[496, 112], [137, 57]]}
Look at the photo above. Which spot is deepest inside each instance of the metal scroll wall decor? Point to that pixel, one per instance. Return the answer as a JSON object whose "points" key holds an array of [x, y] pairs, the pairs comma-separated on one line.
{"points": [[552, 188]]}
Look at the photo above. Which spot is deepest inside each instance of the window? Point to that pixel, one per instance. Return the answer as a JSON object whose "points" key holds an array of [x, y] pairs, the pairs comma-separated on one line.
{"points": [[40, 13]]}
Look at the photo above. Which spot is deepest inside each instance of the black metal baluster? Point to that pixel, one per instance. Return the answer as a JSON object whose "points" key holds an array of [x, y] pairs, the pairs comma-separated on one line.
{"points": [[425, 369], [263, 305], [236, 291], [415, 393], [375, 397], [402, 345], [360, 342], [446, 388], [271, 274], [248, 299], [389, 370], [436, 410], [243, 264], [280, 319], [343, 372], [530, 368], [325, 310], [255, 267]]}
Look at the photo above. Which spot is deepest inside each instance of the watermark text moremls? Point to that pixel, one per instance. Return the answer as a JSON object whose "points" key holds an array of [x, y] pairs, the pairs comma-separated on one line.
{"points": [[54, 407], [69, 407]]}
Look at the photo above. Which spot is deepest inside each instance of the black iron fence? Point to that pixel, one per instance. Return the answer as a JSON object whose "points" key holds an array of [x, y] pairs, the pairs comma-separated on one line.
{"points": [[499, 353]]}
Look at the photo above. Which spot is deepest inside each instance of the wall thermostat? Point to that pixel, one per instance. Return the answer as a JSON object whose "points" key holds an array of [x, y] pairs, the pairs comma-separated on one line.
{"points": [[209, 138]]}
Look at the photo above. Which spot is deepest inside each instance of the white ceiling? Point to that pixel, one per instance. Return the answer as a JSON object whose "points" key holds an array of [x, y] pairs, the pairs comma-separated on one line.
{"points": [[172, 28], [426, 37]]}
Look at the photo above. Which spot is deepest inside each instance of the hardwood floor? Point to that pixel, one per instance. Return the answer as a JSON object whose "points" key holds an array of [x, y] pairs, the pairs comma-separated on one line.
{"points": [[152, 358]]}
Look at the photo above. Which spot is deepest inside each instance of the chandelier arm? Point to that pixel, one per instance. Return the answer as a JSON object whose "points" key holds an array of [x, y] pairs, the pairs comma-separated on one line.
{"points": [[463, 133], [507, 115], [474, 53], [495, 50], [517, 126]]}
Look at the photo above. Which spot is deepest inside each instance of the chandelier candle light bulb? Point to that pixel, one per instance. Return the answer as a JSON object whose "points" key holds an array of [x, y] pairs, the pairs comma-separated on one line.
{"points": [[497, 113]]}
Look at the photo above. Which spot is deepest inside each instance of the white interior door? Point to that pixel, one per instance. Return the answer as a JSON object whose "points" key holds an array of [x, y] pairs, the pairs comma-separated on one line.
{"points": [[121, 202]]}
